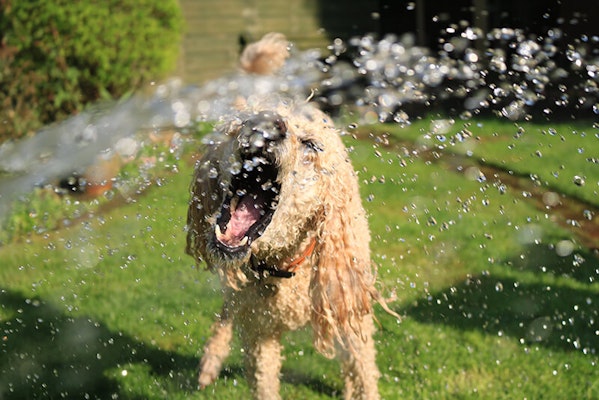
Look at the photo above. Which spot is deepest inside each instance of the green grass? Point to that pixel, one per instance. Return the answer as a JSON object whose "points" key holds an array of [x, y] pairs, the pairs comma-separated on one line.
{"points": [[560, 156], [112, 308]]}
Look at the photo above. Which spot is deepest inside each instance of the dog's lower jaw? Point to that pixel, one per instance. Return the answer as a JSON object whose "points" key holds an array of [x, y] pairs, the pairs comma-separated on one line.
{"points": [[230, 269]]}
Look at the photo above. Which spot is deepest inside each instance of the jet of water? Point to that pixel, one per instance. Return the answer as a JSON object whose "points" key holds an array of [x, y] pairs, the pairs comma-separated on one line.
{"points": [[379, 77]]}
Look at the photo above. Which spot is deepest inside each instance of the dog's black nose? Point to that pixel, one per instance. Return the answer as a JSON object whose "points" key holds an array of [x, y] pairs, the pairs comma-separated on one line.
{"points": [[261, 129]]}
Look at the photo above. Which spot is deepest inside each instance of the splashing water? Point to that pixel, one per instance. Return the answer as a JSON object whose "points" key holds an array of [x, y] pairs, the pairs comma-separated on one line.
{"points": [[382, 78], [59, 150]]}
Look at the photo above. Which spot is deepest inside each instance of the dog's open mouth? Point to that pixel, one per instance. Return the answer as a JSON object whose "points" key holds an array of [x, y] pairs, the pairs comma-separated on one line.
{"points": [[248, 208]]}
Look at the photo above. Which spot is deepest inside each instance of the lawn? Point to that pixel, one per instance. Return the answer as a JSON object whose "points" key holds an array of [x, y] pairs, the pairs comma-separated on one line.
{"points": [[497, 299]]}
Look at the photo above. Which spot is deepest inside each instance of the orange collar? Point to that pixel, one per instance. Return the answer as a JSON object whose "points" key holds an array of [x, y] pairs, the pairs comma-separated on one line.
{"points": [[293, 264], [289, 272]]}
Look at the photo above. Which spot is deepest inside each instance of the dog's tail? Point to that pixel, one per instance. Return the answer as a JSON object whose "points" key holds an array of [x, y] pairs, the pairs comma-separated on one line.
{"points": [[266, 56]]}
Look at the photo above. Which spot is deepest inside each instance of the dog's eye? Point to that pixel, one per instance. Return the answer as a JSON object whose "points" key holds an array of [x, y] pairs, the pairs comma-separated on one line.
{"points": [[312, 146]]}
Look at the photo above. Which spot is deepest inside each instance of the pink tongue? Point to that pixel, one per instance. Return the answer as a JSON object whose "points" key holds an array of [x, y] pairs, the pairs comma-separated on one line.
{"points": [[245, 215]]}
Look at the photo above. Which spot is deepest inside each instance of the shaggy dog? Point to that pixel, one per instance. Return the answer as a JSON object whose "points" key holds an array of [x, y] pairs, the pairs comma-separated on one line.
{"points": [[275, 211]]}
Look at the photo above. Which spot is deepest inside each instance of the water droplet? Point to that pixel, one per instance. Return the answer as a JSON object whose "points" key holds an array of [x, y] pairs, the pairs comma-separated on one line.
{"points": [[109, 194], [579, 180], [475, 174], [441, 126], [235, 168], [564, 248], [551, 199]]}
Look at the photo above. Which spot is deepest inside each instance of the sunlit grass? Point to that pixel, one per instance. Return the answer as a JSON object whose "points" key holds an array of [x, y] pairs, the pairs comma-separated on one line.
{"points": [[560, 156], [112, 306]]}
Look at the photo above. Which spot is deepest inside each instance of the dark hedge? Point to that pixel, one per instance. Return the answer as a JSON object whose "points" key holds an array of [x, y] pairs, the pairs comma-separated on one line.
{"points": [[56, 56]]}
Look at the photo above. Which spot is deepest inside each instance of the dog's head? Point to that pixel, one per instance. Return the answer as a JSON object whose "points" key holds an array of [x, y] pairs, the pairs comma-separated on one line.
{"points": [[262, 186], [250, 177]]}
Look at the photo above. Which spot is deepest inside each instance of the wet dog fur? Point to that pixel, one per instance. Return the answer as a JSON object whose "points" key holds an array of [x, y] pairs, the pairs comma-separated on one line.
{"points": [[275, 211]]}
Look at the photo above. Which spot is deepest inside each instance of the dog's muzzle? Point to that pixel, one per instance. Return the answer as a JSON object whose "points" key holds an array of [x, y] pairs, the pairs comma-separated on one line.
{"points": [[260, 133], [253, 194]]}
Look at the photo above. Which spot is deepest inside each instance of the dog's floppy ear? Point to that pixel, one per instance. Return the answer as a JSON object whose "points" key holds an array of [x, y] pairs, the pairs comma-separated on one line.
{"points": [[201, 205], [342, 285], [207, 194]]}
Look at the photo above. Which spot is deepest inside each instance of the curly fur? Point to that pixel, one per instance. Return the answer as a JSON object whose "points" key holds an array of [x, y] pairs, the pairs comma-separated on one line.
{"points": [[266, 56], [318, 229]]}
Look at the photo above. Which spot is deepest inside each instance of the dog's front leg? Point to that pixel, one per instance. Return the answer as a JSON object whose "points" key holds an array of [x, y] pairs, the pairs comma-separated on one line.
{"points": [[216, 349], [262, 364], [359, 363]]}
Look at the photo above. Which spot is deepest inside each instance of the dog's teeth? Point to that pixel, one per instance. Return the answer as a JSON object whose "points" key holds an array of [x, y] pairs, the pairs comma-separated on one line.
{"points": [[218, 231], [244, 241], [234, 202]]}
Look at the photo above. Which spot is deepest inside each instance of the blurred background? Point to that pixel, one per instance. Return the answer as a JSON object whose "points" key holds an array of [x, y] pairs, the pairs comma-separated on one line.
{"points": [[217, 30]]}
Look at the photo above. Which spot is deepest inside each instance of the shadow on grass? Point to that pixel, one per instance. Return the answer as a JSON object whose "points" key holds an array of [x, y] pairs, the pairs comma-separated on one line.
{"points": [[582, 266], [47, 354], [291, 376], [296, 377], [555, 316]]}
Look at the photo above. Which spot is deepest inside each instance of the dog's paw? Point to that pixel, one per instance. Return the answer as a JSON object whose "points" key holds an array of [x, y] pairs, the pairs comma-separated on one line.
{"points": [[209, 370]]}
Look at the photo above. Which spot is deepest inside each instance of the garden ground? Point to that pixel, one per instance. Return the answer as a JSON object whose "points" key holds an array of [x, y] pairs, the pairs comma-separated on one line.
{"points": [[496, 289]]}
